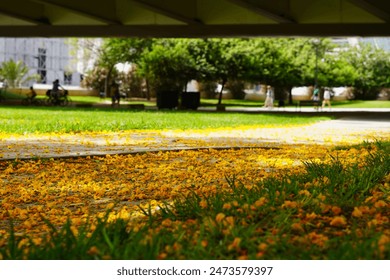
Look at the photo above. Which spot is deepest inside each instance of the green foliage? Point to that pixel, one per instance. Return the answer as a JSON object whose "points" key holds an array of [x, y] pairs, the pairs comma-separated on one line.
{"points": [[268, 62], [96, 78], [15, 74], [118, 50], [372, 68], [222, 60], [352, 184], [236, 88], [132, 84], [280, 62], [207, 89], [121, 50], [167, 66]]}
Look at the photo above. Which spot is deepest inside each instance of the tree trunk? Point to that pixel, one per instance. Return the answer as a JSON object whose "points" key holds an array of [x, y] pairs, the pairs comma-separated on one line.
{"points": [[147, 90], [220, 93], [290, 97], [107, 81]]}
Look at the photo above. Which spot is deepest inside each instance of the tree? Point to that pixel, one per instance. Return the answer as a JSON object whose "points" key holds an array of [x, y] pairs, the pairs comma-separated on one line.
{"points": [[237, 63], [86, 51], [298, 61], [121, 50], [303, 61], [280, 62], [222, 60], [96, 78], [373, 69], [167, 65], [15, 74]]}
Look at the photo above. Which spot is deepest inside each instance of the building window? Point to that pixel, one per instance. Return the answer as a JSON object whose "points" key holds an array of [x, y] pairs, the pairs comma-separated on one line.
{"points": [[42, 65]]}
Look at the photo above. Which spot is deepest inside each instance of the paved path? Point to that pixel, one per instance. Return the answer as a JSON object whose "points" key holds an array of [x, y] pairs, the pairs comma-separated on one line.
{"points": [[305, 109], [348, 129]]}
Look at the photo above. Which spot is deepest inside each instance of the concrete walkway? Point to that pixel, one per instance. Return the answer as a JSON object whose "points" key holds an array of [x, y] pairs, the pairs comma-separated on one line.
{"points": [[350, 127], [303, 109]]}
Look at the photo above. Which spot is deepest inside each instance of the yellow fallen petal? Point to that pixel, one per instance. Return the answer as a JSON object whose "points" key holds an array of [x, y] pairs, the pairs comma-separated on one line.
{"points": [[338, 221]]}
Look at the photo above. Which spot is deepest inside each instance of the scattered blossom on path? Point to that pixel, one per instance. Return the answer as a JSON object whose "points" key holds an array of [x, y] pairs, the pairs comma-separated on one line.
{"points": [[83, 187]]}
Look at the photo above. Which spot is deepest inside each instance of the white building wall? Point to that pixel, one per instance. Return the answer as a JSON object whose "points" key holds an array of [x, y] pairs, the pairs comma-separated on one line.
{"points": [[58, 57]]}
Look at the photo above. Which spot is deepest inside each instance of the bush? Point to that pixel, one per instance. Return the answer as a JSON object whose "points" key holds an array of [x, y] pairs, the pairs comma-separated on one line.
{"points": [[132, 84], [96, 78], [207, 89], [236, 88]]}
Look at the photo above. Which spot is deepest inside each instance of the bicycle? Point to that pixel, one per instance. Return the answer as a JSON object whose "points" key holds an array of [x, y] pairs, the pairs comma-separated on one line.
{"points": [[31, 101], [59, 98]]}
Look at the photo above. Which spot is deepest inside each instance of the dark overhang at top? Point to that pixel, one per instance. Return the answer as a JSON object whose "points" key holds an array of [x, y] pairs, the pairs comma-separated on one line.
{"points": [[193, 18]]}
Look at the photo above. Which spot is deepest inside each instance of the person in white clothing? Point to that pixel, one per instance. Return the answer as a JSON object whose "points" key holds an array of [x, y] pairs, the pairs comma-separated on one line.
{"points": [[269, 99], [327, 96]]}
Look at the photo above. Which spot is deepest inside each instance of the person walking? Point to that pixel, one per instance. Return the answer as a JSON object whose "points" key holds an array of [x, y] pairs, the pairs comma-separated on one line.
{"points": [[327, 96], [316, 97], [115, 94], [269, 99]]}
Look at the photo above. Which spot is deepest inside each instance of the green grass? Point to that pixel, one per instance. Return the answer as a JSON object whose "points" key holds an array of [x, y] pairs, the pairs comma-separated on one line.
{"points": [[9, 95], [338, 104], [232, 103], [212, 102], [362, 104], [107, 100], [238, 103], [21, 120], [267, 228]]}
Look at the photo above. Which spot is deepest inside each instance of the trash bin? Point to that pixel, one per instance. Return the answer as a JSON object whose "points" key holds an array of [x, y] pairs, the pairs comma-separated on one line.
{"points": [[167, 99], [190, 100]]}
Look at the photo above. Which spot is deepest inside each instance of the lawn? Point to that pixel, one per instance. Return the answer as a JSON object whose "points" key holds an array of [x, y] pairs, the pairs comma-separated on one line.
{"points": [[212, 102], [361, 104], [301, 201], [22, 120], [338, 104]]}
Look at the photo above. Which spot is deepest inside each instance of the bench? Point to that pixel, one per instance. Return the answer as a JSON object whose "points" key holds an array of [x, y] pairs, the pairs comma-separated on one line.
{"points": [[314, 103]]}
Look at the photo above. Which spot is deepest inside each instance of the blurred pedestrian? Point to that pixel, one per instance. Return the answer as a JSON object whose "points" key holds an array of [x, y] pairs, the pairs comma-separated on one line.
{"points": [[115, 95], [269, 98], [316, 97], [327, 96]]}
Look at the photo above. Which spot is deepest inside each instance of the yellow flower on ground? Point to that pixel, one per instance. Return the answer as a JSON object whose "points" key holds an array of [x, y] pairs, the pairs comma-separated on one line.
{"points": [[336, 210], [93, 251], [235, 244], [220, 217], [260, 202], [290, 204], [356, 212], [338, 221], [380, 204], [297, 227]]}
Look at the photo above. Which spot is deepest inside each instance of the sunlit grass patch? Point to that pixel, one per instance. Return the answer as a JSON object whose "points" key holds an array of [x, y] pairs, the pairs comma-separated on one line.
{"points": [[22, 121]]}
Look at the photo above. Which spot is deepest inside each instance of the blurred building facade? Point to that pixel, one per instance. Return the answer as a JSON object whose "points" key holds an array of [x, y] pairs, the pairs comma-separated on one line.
{"points": [[50, 58]]}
